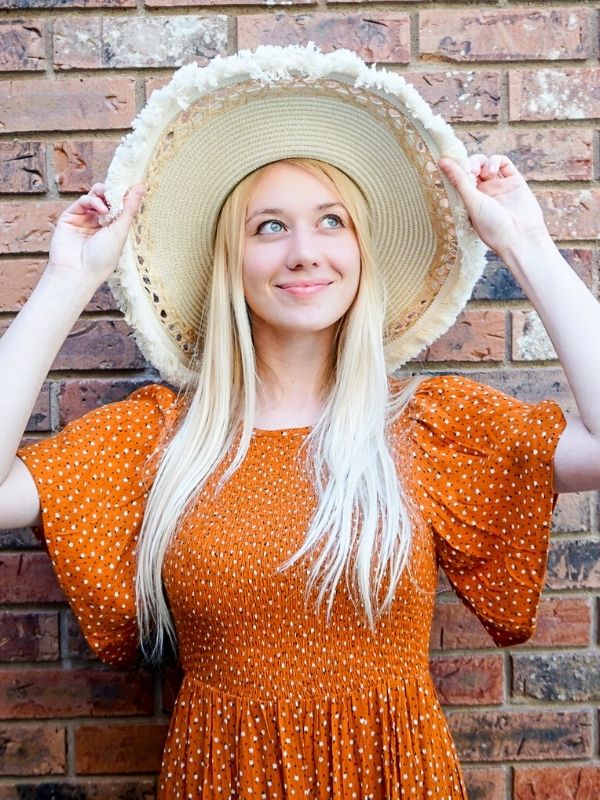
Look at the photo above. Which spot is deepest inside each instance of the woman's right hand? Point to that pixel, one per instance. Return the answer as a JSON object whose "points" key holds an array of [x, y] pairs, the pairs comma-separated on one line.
{"points": [[81, 249]]}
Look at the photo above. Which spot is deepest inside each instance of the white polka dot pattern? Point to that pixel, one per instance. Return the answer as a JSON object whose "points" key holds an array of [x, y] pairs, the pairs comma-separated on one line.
{"points": [[277, 702]]}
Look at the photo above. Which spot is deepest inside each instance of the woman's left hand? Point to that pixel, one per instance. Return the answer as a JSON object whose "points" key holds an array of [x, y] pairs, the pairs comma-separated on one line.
{"points": [[502, 207]]}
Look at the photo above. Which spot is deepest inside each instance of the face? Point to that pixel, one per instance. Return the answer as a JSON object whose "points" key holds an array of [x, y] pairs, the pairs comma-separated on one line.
{"points": [[301, 264]]}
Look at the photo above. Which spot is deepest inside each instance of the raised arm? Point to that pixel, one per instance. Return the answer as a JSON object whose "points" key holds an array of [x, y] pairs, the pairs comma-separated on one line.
{"points": [[82, 255], [508, 218]]}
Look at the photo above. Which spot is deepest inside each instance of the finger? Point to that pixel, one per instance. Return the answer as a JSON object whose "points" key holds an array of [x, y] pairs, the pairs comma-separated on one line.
{"points": [[463, 182], [98, 189], [131, 205], [476, 162]]}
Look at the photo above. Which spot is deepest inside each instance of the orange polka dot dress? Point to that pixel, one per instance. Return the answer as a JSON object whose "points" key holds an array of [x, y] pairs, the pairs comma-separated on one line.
{"points": [[277, 703]]}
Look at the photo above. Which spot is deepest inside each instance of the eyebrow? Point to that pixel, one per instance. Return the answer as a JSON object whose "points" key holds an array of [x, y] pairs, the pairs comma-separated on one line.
{"points": [[282, 211]]}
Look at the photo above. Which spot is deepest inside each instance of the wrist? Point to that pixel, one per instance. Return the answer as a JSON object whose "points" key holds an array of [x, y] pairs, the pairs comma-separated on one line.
{"points": [[533, 247]]}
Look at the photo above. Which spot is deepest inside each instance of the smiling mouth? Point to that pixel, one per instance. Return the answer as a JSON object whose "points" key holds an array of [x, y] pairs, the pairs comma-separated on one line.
{"points": [[304, 288]]}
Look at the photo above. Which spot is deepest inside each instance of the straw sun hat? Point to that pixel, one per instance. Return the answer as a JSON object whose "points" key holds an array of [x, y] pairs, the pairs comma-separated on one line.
{"points": [[197, 137]]}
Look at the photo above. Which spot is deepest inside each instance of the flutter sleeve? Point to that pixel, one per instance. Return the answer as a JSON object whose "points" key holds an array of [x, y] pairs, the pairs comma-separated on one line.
{"points": [[93, 479], [483, 476]]}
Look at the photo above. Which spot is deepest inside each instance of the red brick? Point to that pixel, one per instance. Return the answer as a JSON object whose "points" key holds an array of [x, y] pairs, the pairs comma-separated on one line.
{"points": [[571, 213], [114, 749], [42, 694], [384, 37], [157, 41], [28, 578], [28, 636], [77, 647], [152, 84], [22, 45], [81, 163], [555, 154], [468, 680], [556, 677], [99, 344], [76, 398], [28, 227], [456, 628], [19, 276], [182, 3], [32, 750], [505, 35], [23, 167], [19, 539], [171, 683], [557, 783], [531, 385], [460, 96], [521, 735], [553, 94], [484, 784], [563, 622], [475, 336], [75, 104], [23, 4]]}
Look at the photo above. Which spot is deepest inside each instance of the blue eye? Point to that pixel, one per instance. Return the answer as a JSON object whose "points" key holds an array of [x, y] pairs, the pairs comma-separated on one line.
{"points": [[336, 218], [270, 222]]}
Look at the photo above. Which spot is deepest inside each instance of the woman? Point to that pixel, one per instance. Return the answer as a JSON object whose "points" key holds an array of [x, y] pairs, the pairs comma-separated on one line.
{"points": [[291, 509]]}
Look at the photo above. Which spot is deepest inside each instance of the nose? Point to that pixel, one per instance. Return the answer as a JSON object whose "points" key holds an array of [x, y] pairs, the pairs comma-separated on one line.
{"points": [[303, 250]]}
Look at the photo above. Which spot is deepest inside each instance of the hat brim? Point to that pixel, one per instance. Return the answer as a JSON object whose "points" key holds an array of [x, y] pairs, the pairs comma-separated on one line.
{"points": [[251, 109]]}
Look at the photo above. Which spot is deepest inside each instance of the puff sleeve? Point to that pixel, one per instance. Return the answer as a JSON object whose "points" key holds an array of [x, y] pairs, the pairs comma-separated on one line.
{"points": [[93, 479], [483, 476]]}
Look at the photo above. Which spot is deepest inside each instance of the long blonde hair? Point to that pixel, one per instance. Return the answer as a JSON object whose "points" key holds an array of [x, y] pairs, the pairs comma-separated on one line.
{"points": [[361, 522]]}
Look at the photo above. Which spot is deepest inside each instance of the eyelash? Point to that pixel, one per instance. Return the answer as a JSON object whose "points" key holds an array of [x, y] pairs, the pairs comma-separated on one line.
{"points": [[327, 216]]}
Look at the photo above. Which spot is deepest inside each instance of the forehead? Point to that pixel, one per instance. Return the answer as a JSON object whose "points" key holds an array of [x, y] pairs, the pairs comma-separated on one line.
{"points": [[290, 180]]}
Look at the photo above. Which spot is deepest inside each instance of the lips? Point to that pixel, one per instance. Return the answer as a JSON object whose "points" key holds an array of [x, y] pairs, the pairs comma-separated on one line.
{"points": [[304, 288]]}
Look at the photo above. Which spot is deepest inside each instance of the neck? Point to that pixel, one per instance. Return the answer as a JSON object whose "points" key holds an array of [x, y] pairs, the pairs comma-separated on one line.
{"points": [[293, 369]]}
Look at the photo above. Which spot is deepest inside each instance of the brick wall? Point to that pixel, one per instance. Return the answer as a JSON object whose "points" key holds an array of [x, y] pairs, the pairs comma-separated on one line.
{"points": [[519, 77]]}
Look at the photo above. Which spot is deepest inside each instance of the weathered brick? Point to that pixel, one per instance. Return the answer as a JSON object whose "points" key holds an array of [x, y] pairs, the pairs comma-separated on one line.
{"points": [[112, 42], [475, 336], [31, 750], [553, 94], [571, 213], [76, 398], [40, 419], [383, 37], [77, 647], [79, 164], [556, 677], [498, 283], [84, 790], [28, 578], [554, 154], [484, 784], [22, 45], [114, 749], [28, 636], [557, 783], [574, 564], [99, 344], [572, 513], [19, 539], [505, 35], [521, 735], [74, 104], [468, 680], [460, 96], [531, 385], [27, 227], [23, 167], [23, 4], [530, 342], [43, 694]]}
